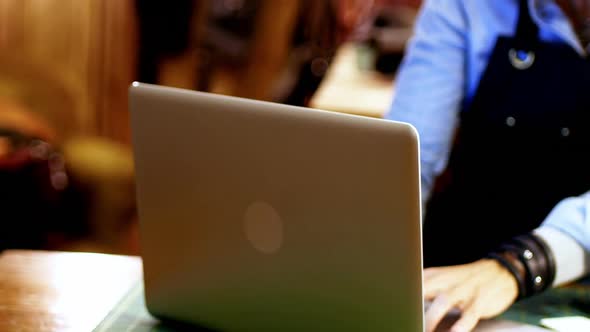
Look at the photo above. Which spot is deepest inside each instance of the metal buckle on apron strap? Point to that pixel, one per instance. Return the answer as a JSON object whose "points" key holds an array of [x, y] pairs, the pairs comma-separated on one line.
{"points": [[521, 59]]}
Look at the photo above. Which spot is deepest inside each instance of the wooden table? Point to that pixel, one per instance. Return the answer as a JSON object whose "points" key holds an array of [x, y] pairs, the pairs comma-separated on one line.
{"points": [[56, 291], [50, 291]]}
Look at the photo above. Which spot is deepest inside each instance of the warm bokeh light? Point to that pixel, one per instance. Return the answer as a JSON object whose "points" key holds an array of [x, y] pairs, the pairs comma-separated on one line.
{"points": [[64, 78]]}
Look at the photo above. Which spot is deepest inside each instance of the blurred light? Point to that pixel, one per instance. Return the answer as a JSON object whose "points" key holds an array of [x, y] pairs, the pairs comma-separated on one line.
{"points": [[565, 132], [39, 149], [510, 121], [59, 180]]}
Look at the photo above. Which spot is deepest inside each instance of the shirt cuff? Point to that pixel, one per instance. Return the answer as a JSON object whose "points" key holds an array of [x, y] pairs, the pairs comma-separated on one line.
{"points": [[571, 260]]}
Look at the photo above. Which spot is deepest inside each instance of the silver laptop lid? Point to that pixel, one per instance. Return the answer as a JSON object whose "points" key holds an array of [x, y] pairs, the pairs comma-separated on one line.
{"points": [[256, 216]]}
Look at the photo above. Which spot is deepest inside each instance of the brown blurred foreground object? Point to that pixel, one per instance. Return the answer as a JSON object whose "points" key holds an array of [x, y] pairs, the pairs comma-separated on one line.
{"points": [[50, 291], [104, 170], [45, 206], [64, 70]]}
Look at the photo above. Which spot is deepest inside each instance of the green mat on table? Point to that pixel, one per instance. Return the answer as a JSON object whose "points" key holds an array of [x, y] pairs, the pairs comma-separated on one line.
{"points": [[558, 302], [130, 314]]}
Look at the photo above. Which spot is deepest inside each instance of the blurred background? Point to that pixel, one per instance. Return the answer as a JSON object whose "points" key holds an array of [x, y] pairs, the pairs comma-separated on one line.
{"points": [[66, 168]]}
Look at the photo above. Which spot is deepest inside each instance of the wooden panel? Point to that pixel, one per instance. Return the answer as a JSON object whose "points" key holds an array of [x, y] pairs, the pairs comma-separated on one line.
{"points": [[51, 291], [119, 66], [85, 47]]}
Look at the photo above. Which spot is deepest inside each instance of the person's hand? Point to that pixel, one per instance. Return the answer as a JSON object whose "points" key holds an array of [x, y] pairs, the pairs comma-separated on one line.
{"points": [[480, 290]]}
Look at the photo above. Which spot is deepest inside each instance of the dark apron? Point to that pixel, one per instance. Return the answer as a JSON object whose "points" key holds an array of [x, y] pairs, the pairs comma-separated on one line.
{"points": [[523, 145]]}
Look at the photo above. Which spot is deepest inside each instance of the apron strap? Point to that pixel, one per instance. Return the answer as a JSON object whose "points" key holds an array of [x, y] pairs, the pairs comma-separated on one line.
{"points": [[527, 32]]}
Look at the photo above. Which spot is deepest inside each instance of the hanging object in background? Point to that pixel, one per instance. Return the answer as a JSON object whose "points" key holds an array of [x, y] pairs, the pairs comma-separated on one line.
{"points": [[207, 34], [263, 49], [322, 26], [164, 31], [387, 34]]}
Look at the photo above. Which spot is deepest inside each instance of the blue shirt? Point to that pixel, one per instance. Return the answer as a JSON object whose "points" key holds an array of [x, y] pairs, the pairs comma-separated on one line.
{"points": [[444, 62]]}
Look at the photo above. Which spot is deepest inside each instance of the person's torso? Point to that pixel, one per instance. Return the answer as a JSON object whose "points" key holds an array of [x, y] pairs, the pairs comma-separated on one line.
{"points": [[521, 148], [488, 20]]}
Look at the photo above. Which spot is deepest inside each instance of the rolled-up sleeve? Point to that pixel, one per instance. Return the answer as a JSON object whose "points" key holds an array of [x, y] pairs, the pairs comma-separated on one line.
{"points": [[430, 85], [567, 233]]}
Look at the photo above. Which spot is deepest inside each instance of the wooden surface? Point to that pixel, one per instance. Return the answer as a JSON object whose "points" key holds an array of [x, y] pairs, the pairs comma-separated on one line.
{"points": [[349, 89], [71, 60], [51, 291], [57, 291]]}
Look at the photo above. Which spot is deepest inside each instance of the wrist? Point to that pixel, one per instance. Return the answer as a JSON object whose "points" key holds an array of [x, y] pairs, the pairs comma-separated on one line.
{"points": [[510, 264], [529, 261]]}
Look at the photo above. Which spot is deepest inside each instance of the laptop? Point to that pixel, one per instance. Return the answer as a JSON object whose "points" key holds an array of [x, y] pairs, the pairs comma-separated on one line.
{"points": [[256, 216]]}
